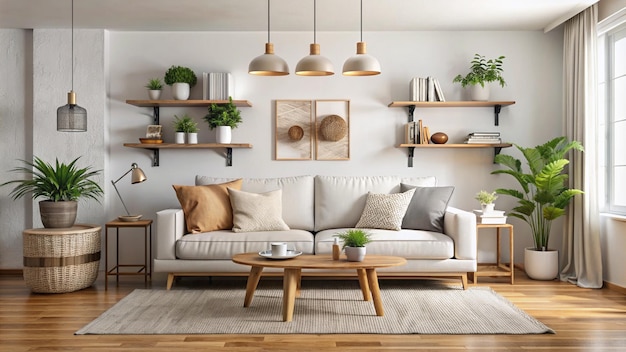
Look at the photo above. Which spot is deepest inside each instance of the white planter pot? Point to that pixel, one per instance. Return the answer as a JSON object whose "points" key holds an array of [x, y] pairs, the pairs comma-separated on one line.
{"points": [[179, 138], [355, 254], [192, 138], [478, 92], [223, 134], [180, 91], [154, 94], [488, 208], [541, 265]]}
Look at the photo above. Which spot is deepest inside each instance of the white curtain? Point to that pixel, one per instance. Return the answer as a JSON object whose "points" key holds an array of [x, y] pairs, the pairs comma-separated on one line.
{"points": [[581, 257]]}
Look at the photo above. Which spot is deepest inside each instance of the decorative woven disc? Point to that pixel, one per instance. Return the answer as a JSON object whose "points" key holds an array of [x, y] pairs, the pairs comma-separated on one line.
{"points": [[295, 133], [333, 128]]}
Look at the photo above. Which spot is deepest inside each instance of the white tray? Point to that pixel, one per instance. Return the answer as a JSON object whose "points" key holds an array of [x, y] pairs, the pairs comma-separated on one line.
{"points": [[290, 254]]}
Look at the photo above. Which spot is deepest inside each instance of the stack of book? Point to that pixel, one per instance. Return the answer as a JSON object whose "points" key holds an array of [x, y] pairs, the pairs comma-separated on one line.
{"points": [[492, 217], [483, 138], [425, 89], [416, 133], [217, 85]]}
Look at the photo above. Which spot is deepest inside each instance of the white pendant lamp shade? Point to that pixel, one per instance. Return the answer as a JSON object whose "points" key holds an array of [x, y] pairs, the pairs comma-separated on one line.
{"points": [[71, 117], [361, 64], [268, 64], [314, 64]]}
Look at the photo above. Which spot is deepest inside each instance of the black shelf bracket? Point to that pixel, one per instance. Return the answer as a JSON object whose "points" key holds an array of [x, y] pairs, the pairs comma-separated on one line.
{"points": [[496, 110], [496, 151], [155, 157], [229, 156], [155, 115], [411, 151], [411, 111]]}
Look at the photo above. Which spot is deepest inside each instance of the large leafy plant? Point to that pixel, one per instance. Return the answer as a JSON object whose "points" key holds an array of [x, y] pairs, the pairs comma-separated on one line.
{"points": [[481, 71], [59, 182], [223, 115], [544, 194]]}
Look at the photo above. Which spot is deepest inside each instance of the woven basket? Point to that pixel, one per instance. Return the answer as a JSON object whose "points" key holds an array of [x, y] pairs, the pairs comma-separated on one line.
{"points": [[61, 260]]}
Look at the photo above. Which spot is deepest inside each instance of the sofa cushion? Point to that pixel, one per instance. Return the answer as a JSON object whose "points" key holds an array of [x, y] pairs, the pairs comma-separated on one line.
{"points": [[297, 196], [223, 244], [206, 208], [257, 211], [427, 207], [385, 211], [340, 200]]}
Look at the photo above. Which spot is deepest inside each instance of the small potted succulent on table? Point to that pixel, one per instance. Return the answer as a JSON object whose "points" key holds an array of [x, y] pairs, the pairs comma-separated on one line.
{"points": [[154, 88], [354, 241], [182, 79]]}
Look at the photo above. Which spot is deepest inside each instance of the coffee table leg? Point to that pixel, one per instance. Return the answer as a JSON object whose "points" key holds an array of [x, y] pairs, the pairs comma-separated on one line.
{"points": [[299, 283], [290, 284], [253, 281], [363, 283], [372, 279]]}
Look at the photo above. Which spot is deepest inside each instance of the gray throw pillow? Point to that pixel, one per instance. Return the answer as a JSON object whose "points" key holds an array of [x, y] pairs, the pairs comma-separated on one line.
{"points": [[427, 207]]}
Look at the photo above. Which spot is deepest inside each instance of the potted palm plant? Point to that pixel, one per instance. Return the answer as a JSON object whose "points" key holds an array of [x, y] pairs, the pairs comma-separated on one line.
{"points": [[354, 241], [223, 117], [154, 88], [482, 71], [62, 185], [542, 198], [182, 79]]}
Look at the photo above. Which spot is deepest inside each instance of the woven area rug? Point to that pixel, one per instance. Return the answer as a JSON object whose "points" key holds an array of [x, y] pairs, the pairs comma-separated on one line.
{"points": [[324, 307]]}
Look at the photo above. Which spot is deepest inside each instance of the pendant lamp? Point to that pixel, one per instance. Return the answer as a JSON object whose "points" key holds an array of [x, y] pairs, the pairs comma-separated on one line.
{"points": [[314, 64], [361, 64], [71, 117], [268, 64]]}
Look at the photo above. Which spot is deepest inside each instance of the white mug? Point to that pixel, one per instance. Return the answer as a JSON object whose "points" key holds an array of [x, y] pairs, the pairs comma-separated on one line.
{"points": [[279, 249]]}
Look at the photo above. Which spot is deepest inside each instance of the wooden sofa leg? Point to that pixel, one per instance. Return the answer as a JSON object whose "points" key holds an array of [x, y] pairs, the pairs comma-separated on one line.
{"points": [[464, 280], [170, 280]]}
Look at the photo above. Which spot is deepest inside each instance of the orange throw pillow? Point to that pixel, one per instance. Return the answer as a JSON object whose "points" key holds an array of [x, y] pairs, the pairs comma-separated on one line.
{"points": [[207, 208]]}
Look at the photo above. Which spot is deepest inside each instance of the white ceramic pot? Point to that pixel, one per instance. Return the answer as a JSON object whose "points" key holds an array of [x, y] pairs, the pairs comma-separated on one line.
{"points": [[223, 134], [180, 91], [179, 138], [541, 265], [355, 254], [154, 94], [192, 138], [478, 92], [488, 208]]}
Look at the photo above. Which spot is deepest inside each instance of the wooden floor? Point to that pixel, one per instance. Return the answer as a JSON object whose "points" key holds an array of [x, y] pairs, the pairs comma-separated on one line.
{"points": [[584, 320]]}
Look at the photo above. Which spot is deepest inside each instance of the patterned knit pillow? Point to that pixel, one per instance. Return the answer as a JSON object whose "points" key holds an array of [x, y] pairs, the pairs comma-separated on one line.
{"points": [[385, 211]]}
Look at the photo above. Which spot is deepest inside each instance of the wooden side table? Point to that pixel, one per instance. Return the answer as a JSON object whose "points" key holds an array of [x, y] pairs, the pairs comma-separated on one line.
{"points": [[144, 269], [499, 269]]}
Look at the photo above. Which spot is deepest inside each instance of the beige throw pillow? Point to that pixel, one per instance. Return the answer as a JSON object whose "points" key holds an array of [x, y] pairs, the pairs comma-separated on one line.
{"points": [[207, 208], [385, 211], [257, 211]]}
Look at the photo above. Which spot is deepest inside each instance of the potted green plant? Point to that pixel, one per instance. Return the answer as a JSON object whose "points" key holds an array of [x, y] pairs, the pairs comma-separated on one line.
{"points": [[223, 118], [542, 198], [182, 79], [191, 131], [154, 88], [354, 241], [486, 200], [482, 71], [62, 185], [180, 127]]}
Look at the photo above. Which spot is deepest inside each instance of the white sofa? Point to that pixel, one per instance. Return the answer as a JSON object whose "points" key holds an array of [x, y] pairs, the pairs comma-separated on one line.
{"points": [[316, 208]]}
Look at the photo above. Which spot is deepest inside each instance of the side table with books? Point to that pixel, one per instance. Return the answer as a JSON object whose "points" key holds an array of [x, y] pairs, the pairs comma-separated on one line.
{"points": [[495, 220]]}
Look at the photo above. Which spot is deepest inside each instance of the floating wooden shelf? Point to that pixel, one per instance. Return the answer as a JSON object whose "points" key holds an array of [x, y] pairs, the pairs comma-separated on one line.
{"points": [[189, 103], [497, 148], [156, 147], [497, 106]]}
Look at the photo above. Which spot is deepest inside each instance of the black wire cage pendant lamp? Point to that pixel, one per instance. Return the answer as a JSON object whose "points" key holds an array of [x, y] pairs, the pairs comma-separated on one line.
{"points": [[268, 64], [71, 117], [361, 64]]}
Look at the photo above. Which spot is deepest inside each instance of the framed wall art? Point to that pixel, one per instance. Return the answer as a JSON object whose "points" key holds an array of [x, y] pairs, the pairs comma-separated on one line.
{"points": [[294, 130], [332, 130]]}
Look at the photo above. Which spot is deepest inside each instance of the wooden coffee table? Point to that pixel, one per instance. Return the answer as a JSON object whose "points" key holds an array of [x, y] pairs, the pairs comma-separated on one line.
{"points": [[366, 270]]}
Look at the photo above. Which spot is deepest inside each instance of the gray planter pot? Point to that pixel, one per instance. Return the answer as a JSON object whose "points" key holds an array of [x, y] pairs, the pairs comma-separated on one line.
{"points": [[355, 254], [58, 214]]}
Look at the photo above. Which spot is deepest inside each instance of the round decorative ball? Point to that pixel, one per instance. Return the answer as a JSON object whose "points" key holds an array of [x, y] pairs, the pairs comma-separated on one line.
{"points": [[295, 133], [439, 138], [333, 128]]}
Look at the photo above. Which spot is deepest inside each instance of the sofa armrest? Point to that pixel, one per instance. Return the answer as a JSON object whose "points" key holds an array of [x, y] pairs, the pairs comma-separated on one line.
{"points": [[170, 228], [460, 225]]}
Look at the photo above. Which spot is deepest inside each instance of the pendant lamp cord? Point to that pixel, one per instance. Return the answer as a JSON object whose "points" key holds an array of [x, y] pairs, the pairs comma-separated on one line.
{"points": [[314, 21], [361, 20], [72, 45], [268, 21]]}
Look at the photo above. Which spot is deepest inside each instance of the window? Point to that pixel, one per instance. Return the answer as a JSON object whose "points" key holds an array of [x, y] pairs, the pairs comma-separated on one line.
{"points": [[612, 116]]}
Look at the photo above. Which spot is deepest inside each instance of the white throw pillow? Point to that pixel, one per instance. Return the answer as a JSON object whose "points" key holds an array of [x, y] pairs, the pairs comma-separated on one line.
{"points": [[257, 211], [385, 211]]}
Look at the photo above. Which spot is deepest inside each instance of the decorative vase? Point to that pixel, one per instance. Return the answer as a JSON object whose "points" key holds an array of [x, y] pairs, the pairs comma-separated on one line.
{"points": [[541, 265], [58, 214], [488, 208], [180, 138], [478, 92], [180, 91], [355, 254], [192, 137], [223, 134], [154, 94]]}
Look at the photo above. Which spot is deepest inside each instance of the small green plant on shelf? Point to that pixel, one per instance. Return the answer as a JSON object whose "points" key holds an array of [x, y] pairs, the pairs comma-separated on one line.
{"points": [[481, 71], [180, 74], [185, 124], [485, 197], [223, 115], [154, 84], [354, 238]]}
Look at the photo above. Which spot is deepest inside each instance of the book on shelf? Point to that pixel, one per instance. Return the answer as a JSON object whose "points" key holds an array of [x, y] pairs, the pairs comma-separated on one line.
{"points": [[484, 134], [493, 213], [416, 133], [425, 89], [217, 85], [493, 217], [483, 141]]}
